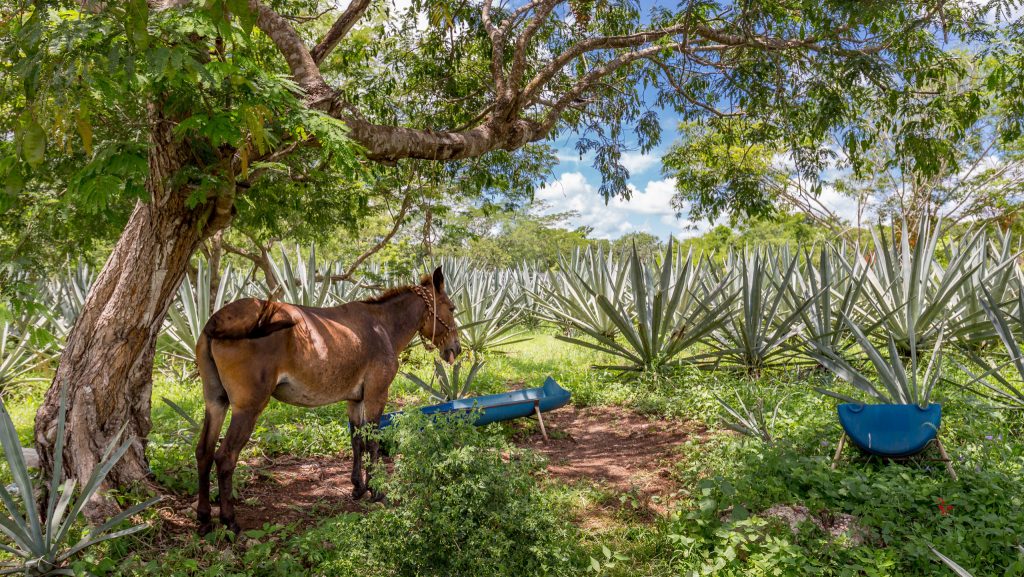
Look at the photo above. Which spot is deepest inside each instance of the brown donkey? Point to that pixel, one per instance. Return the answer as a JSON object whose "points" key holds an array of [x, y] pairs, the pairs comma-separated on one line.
{"points": [[253, 350]]}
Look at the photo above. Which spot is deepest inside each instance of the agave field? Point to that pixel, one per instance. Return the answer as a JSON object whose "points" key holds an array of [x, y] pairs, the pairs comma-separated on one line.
{"points": [[890, 303], [886, 321]]}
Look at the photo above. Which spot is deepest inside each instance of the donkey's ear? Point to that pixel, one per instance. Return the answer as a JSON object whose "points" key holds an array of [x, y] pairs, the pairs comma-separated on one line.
{"points": [[438, 279]]}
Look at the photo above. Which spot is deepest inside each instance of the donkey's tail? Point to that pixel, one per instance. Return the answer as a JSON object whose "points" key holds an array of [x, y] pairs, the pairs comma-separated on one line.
{"points": [[213, 387], [248, 319]]}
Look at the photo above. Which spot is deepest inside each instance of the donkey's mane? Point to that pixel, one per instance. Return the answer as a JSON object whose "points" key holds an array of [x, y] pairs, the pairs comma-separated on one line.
{"points": [[394, 292]]}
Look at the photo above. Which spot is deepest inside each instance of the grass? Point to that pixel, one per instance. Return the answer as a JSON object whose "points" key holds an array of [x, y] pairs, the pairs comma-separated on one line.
{"points": [[725, 481]]}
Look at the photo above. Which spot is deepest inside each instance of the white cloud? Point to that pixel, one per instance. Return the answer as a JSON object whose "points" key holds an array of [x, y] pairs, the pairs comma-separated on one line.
{"points": [[841, 205], [648, 210], [637, 163]]}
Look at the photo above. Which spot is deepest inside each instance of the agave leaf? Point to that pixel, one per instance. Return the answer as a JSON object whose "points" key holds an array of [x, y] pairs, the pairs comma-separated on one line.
{"points": [[19, 472], [950, 563], [58, 472]]}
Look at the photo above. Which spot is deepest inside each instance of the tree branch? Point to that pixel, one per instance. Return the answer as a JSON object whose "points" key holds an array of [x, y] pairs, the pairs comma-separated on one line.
{"points": [[406, 203], [341, 27], [303, 67], [522, 43]]}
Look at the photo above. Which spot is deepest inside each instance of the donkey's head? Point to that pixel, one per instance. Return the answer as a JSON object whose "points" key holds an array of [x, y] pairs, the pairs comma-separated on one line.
{"points": [[438, 326]]}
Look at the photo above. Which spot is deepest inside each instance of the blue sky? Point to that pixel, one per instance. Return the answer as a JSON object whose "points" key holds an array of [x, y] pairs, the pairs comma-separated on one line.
{"points": [[574, 187]]}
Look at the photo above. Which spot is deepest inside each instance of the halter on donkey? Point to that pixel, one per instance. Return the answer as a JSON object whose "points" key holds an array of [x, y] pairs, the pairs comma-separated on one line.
{"points": [[253, 350]]}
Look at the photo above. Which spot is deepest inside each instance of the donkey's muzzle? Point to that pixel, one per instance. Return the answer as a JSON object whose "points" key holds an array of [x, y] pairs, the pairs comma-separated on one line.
{"points": [[451, 353]]}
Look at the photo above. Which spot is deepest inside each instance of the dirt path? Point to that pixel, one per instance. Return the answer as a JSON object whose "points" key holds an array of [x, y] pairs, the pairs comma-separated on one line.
{"points": [[616, 449], [619, 450], [281, 491]]}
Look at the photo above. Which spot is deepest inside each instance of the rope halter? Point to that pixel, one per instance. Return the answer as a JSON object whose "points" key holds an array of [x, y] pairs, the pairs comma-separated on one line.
{"points": [[430, 299]]}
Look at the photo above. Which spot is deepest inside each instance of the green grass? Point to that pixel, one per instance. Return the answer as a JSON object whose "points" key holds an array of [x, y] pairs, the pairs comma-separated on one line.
{"points": [[725, 480]]}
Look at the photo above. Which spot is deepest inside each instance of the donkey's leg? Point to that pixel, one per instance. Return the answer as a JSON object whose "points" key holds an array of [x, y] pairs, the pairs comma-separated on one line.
{"points": [[357, 422], [373, 404], [242, 423], [212, 423]]}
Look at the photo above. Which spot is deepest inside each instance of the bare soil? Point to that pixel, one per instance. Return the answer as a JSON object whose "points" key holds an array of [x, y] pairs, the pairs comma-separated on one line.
{"points": [[625, 454], [619, 450], [281, 491]]}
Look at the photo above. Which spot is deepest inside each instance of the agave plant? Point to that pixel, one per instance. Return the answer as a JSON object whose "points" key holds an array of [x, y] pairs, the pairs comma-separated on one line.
{"points": [[915, 297], [670, 312], [571, 299], [487, 313], [900, 382], [42, 545], [187, 317], [761, 331], [67, 295], [752, 420], [18, 356], [302, 283], [833, 290], [996, 274], [528, 282], [449, 387], [994, 384]]}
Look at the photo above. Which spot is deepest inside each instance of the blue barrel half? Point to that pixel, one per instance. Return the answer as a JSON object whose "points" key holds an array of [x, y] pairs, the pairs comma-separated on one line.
{"points": [[890, 430], [503, 406]]}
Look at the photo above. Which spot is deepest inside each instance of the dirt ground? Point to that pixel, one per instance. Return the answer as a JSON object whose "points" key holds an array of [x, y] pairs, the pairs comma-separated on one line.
{"points": [[621, 452]]}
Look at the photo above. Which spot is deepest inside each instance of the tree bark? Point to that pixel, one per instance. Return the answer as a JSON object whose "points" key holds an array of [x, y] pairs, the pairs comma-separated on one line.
{"points": [[107, 363]]}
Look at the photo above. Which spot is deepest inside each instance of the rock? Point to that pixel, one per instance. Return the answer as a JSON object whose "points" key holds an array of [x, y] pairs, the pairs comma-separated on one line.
{"points": [[834, 524], [31, 457]]}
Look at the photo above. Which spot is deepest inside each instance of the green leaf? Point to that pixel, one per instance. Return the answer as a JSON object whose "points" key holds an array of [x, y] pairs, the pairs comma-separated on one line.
{"points": [[33, 142], [84, 129], [246, 17]]}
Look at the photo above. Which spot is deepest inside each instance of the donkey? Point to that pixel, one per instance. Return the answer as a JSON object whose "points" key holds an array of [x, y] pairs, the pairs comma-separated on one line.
{"points": [[252, 350]]}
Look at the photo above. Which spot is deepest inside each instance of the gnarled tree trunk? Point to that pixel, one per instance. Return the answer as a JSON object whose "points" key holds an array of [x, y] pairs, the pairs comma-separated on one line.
{"points": [[107, 362]]}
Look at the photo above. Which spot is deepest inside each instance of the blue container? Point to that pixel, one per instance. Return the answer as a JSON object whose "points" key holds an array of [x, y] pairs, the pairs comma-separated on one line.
{"points": [[890, 430], [501, 407]]}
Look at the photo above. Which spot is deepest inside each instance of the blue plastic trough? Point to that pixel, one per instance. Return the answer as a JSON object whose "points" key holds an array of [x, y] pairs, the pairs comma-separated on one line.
{"points": [[890, 430], [501, 407]]}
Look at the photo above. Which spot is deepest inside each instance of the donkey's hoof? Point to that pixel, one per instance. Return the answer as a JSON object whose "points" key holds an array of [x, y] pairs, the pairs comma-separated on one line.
{"points": [[231, 525], [379, 498], [358, 493], [205, 528]]}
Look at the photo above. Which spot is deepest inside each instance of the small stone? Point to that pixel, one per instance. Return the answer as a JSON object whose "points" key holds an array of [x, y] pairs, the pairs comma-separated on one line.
{"points": [[31, 457]]}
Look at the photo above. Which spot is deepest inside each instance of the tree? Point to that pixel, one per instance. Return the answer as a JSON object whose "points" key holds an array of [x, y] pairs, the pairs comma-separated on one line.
{"points": [[943, 141], [647, 246], [182, 108]]}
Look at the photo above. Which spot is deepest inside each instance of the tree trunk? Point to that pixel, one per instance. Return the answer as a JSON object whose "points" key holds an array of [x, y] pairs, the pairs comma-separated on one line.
{"points": [[107, 362]]}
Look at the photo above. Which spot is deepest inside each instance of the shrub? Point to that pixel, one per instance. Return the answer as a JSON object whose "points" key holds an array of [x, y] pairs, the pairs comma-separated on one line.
{"points": [[465, 503]]}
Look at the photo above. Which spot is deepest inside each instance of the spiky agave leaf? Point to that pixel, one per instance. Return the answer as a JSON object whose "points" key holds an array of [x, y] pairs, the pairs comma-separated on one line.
{"points": [[900, 382], [951, 564], [912, 292], [667, 314], [450, 387], [187, 317], [994, 384], [762, 330], [67, 296], [43, 547], [834, 289], [752, 421], [571, 297], [488, 315], [302, 282], [19, 354]]}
